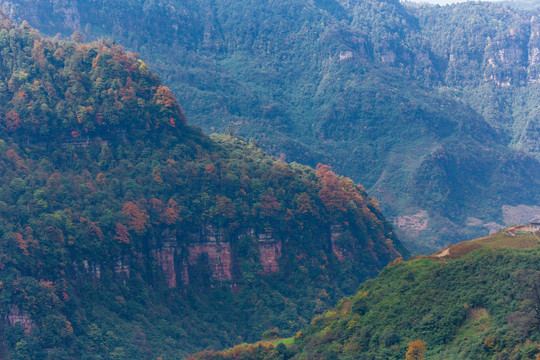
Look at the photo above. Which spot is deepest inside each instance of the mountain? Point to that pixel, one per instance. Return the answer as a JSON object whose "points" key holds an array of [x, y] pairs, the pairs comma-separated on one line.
{"points": [[475, 300], [434, 109], [127, 234]]}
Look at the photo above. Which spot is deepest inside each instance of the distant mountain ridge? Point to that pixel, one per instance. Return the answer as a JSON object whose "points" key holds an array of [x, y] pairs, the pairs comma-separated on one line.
{"points": [[434, 109], [125, 233]]}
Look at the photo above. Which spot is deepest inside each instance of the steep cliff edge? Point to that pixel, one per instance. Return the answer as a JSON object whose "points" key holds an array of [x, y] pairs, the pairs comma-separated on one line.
{"points": [[127, 234]]}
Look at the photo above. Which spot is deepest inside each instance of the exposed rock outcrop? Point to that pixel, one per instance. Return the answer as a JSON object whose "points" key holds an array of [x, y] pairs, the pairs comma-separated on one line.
{"points": [[121, 267], [336, 231], [218, 256], [269, 252], [16, 316], [165, 257], [89, 269]]}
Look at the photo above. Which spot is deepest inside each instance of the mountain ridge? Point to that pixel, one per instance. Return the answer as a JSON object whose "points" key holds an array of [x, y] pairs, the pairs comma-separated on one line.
{"points": [[367, 87], [126, 233]]}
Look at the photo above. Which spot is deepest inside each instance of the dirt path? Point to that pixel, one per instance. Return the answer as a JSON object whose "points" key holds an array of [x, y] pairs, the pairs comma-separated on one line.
{"points": [[443, 253]]}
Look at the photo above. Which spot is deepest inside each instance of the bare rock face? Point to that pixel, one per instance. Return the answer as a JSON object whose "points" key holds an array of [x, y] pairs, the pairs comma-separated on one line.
{"points": [[210, 247], [519, 215], [534, 51], [269, 252], [121, 267], [18, 11], [207, 255], [16, 316], [165, 257], [507, 59], [88, 269], [413, 224], [219, 258], [336, 231]]}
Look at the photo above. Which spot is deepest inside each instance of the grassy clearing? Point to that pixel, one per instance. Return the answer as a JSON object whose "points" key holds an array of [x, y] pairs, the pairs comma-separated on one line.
{"points": [[287, 341], [516, 237]]}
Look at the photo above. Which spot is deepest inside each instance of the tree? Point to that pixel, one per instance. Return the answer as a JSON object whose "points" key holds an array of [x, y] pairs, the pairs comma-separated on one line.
{"points": [[171, 214], [137, 218], [156, 174], [269, 205], [305, 205], [12, 121], [416, 350], [121, 234], [21, 243], [331, 193]]}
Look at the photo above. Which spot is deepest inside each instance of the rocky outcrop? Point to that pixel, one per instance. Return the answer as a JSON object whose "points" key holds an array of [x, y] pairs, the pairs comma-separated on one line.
{"points": [[16, 316], [218, 257], [269, 252], [121, 267], [534, 51], [507, 59], [413, 223], [89, 269], [165, 257], [210, 248], [336, 232], [519, 215]]}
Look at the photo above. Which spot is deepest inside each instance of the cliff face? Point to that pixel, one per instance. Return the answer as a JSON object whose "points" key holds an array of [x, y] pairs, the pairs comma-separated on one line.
{"points": [[269, 251], [209, 253]]}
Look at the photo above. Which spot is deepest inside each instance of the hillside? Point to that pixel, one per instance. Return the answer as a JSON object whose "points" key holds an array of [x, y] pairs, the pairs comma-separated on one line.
{"points": [[434, 109], [127, 234], [474, 300]]}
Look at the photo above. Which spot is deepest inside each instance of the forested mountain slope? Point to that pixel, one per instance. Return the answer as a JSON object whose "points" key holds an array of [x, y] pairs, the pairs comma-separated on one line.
{"points": [[475, 300], [434, 109], [127, 234]]}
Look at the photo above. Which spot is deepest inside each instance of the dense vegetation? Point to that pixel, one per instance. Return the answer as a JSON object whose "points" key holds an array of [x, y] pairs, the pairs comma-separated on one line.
{"points": [[112, 210], [477, 305], [433, 109]]}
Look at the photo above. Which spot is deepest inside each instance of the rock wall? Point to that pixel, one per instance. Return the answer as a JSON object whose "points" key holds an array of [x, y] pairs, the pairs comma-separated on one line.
{"points": [[16, 316], [176, 260], [218, 255], [121, 267], [336, 231], [88, 269], [165, 257], [269, 252]]}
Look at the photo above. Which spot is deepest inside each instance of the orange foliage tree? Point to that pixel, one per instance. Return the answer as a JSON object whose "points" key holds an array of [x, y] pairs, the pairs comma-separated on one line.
{"points": [[12, 121], [121, 234], [269, 205], [305, 205], [137, 218], [21, 243], [416, 350], [331, 193], [171, 214]]}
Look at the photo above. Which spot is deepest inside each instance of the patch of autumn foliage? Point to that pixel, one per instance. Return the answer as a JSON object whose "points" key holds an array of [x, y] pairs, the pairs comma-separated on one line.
{"points": [[415, 350], [121, 234], [336, 192], [259, 350], [136, 217]]}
